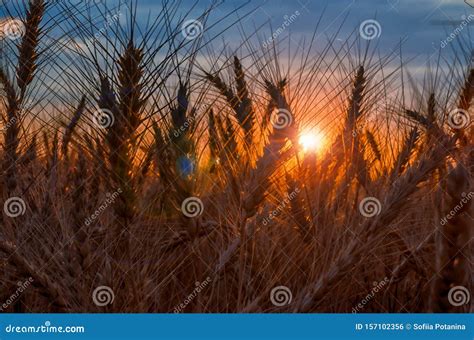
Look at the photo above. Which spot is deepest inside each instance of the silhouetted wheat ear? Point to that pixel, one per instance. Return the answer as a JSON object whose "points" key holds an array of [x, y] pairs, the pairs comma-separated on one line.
{"points": [[28, 47], [121, 141], [25, 70], [72, 125], [244, 111], [465, 99], [214, 147], [267, 163], [373, 145], [467, 92], [406, 151], [452, 251], [11, 132], [392, 205]]}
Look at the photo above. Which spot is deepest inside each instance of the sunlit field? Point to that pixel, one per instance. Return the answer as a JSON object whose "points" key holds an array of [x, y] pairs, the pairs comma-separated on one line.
{"points": [[186, 160]]}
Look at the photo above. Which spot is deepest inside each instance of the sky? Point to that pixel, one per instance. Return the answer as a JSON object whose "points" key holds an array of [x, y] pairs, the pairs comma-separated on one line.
{"points": [[424, 27], [424, 23]]}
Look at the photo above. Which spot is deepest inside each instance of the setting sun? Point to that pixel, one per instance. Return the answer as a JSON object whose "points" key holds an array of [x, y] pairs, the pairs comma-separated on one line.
{"points": [[311, 141]]}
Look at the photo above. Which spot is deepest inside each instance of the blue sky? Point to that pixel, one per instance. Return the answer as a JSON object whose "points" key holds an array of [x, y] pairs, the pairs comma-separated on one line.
{"points": [[425, 23], [422, 24]]}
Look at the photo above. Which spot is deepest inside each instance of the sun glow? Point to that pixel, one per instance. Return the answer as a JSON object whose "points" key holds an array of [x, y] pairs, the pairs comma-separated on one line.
{"points": [[311, 141]]}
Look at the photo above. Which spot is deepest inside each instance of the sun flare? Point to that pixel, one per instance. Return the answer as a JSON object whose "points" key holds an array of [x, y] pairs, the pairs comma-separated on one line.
{"points": [[311, 141]]}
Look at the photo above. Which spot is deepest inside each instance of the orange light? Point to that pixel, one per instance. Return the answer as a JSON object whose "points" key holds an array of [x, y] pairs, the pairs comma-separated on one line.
{"points": [[311, 141]]}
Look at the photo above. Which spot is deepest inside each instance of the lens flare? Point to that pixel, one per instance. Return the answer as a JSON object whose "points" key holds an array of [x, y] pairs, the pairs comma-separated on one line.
{"points": [[311, 141]]}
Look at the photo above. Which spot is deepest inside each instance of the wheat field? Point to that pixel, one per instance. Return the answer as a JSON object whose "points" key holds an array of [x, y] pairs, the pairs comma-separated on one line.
{"points": [[144, 169]]}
